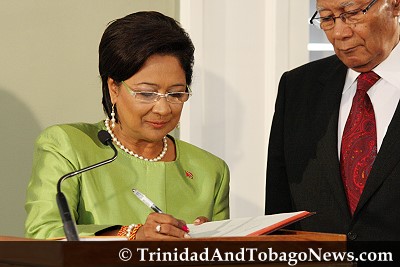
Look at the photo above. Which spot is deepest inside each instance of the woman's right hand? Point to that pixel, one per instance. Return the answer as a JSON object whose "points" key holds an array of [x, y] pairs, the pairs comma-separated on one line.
{"points": [[162, 226]]}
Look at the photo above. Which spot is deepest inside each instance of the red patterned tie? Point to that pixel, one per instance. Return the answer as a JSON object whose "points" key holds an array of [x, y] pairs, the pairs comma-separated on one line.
{"points": [[359, 148]]}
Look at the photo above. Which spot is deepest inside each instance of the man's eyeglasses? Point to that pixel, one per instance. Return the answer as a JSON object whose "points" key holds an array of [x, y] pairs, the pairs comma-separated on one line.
{"points": [[151, 97], [349, 17]]}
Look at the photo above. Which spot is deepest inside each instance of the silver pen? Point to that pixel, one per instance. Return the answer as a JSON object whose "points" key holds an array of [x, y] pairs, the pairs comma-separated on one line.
{"points": [[146, 201], [153, 206]]}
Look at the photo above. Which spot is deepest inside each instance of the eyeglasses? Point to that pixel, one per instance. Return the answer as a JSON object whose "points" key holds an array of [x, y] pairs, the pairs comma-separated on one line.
{"points": [[151, 97], [349, 17]]}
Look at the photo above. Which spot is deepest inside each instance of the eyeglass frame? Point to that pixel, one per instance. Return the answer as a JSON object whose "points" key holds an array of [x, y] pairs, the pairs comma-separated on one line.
{"points": [[159, 95], [342, 16]]}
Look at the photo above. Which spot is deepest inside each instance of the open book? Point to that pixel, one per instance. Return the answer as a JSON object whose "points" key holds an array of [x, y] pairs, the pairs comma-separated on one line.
{"points": [[250, 226]]}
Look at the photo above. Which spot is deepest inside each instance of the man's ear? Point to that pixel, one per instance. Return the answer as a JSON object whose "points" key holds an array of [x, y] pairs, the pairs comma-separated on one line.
{"points": [[113, 89], [397, 6]]}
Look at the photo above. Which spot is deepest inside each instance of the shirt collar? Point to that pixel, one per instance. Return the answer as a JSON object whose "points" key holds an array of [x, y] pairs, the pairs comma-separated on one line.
{"points": [[351, 78], [388, 70]]}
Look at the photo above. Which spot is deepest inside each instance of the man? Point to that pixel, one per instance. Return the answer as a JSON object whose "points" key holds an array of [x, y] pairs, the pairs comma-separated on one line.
{"points": [[335, 139]]}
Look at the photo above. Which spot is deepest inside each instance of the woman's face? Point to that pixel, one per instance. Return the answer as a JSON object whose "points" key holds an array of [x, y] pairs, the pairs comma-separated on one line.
{"points": [[149, 121]]}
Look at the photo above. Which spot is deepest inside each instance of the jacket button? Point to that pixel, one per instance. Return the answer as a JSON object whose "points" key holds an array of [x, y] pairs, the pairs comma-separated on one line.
{"points": [[351, 236]]}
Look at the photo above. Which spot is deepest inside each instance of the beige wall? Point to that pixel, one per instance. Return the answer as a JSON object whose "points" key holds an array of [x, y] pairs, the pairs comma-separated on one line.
{"points": [[48, 75]]}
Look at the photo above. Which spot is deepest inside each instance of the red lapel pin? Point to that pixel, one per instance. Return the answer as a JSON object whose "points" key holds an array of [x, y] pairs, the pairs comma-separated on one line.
{"points": [[189, 174]]}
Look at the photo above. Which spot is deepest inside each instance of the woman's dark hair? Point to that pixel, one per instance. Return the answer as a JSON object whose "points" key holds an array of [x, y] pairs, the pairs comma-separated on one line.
{"points": [[129, 41]]}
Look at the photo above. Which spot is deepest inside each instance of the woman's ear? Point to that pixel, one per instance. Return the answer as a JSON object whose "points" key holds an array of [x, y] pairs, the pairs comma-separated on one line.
{"points": [[113, 89]]}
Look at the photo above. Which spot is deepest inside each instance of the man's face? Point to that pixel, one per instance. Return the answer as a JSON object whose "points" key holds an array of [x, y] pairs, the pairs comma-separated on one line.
{"points": [[363, 45]]}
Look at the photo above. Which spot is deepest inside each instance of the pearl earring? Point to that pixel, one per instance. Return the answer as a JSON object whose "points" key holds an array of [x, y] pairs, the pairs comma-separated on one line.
{"points": [[112, 117]]}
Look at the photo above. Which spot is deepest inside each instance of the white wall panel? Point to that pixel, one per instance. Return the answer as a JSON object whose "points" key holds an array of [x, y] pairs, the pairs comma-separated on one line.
{"points": [[242, 48]]}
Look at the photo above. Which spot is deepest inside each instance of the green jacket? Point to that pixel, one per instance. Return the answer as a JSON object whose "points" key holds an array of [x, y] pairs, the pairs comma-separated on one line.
{"points": [[195, 184]]}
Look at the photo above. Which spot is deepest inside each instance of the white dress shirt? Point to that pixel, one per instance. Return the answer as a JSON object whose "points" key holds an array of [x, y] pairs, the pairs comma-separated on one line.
{"points": [[384, 95]]}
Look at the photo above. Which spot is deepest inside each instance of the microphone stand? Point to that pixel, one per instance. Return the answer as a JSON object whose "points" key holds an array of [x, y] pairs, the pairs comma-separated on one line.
{"points": [[69, 224]]}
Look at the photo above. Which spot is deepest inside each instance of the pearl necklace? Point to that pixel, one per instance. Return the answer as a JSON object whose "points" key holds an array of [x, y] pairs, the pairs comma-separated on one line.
{"points": [[162, 154]]}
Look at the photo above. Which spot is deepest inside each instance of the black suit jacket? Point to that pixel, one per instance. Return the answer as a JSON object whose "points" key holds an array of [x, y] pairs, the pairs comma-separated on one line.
{"points": [[303, 170]]}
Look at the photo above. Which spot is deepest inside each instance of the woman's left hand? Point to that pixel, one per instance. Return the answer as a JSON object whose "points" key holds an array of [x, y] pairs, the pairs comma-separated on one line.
{"points": [[200, 220]]}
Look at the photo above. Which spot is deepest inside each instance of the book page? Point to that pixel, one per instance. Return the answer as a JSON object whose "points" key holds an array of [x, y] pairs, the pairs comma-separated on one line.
{"points": [[95, 238], [248, 226]]}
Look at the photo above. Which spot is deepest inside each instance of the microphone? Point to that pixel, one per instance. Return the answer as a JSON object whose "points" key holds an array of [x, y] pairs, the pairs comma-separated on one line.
{"points": [[69, 224]]}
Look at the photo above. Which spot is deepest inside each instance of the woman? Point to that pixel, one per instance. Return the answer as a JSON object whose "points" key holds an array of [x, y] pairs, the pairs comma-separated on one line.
{"points": [[145, 63]]}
